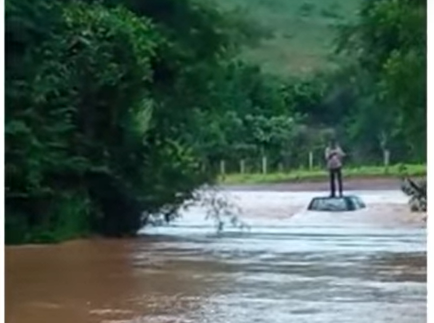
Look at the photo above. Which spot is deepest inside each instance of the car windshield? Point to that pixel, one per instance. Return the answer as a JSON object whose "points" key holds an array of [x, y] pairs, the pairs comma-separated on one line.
{"points": [[332, 204]]}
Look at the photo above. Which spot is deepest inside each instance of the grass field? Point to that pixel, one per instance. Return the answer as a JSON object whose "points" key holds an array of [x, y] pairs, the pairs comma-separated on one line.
{"points": [[318, 175], [302, 32]]}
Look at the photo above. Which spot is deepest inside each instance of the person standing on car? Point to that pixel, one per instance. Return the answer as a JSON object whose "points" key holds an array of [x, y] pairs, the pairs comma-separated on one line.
{"points": [[334, 155]]}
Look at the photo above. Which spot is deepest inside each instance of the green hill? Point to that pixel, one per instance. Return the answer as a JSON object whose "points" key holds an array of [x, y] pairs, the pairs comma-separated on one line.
{"points": [[301, 32]]}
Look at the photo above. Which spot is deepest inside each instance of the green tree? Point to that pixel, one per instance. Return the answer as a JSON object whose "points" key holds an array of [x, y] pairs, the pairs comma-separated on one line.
{"points": [[102, 111], [389, 42]]}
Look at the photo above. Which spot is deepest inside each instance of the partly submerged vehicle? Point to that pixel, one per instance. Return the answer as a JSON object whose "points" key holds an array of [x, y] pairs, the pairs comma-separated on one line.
{"points": [[336, 204]]}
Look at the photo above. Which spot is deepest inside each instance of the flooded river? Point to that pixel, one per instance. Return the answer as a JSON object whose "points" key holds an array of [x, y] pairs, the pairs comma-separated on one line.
{"points": [[291, 265]]}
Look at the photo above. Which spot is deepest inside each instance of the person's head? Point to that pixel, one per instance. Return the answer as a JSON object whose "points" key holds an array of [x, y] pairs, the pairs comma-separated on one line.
{"points": [[333, 143]]}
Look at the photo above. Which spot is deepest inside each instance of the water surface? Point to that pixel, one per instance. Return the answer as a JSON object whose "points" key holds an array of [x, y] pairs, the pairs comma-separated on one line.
{"points": [[366, 266]]}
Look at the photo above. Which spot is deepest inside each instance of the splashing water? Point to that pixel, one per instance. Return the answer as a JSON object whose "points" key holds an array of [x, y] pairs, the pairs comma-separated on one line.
{"points": [[214, 203]]}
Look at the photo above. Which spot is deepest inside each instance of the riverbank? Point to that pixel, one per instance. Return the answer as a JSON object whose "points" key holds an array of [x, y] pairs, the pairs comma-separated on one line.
{"points": [[354, 175], [350, 184]]}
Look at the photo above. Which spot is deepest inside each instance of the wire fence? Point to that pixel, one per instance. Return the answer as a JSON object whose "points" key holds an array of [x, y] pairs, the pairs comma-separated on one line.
{"points": [[313, 160]]}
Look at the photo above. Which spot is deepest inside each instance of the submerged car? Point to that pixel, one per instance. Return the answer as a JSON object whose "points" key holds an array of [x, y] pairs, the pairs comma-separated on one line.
{"points": [[336, 204]]}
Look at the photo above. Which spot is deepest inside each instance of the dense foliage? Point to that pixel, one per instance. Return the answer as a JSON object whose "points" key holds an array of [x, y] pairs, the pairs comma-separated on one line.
{"points": [[98, 113], [389, 45], [118, 109]]}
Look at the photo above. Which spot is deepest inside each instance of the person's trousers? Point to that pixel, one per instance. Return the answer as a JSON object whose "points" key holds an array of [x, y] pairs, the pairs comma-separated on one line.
{"points": [[335, 175]]}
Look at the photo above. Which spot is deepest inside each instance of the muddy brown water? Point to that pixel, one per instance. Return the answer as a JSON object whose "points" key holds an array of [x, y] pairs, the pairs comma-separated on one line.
{"points": [[366, 266]]}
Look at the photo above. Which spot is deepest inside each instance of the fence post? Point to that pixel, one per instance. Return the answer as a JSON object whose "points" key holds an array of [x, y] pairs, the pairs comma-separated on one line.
{"points": [[280, 167], [310, 160], [242, 166], [386, 160], [222, 168], [264, 165]]}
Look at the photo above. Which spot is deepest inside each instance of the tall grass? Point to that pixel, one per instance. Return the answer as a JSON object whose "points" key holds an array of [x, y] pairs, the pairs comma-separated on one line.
{"points": [[321, 174]]}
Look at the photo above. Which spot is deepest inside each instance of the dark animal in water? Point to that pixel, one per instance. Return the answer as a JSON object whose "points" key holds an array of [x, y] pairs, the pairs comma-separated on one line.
{"points": [[417, 194]]}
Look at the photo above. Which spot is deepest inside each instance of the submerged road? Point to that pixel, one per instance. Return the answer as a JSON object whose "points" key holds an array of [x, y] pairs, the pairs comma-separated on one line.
{"points": [[367, 266]]}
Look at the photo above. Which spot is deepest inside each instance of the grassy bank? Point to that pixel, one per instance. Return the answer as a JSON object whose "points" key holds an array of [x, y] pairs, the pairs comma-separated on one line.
{"points": [[321, 174]]}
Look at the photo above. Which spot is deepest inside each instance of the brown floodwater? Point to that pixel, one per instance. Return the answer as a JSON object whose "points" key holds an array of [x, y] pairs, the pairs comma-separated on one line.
{"points": [[290, 265]]}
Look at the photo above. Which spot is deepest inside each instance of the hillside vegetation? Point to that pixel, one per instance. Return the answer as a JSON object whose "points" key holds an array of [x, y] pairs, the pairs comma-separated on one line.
{"points": [[298, 35]]}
